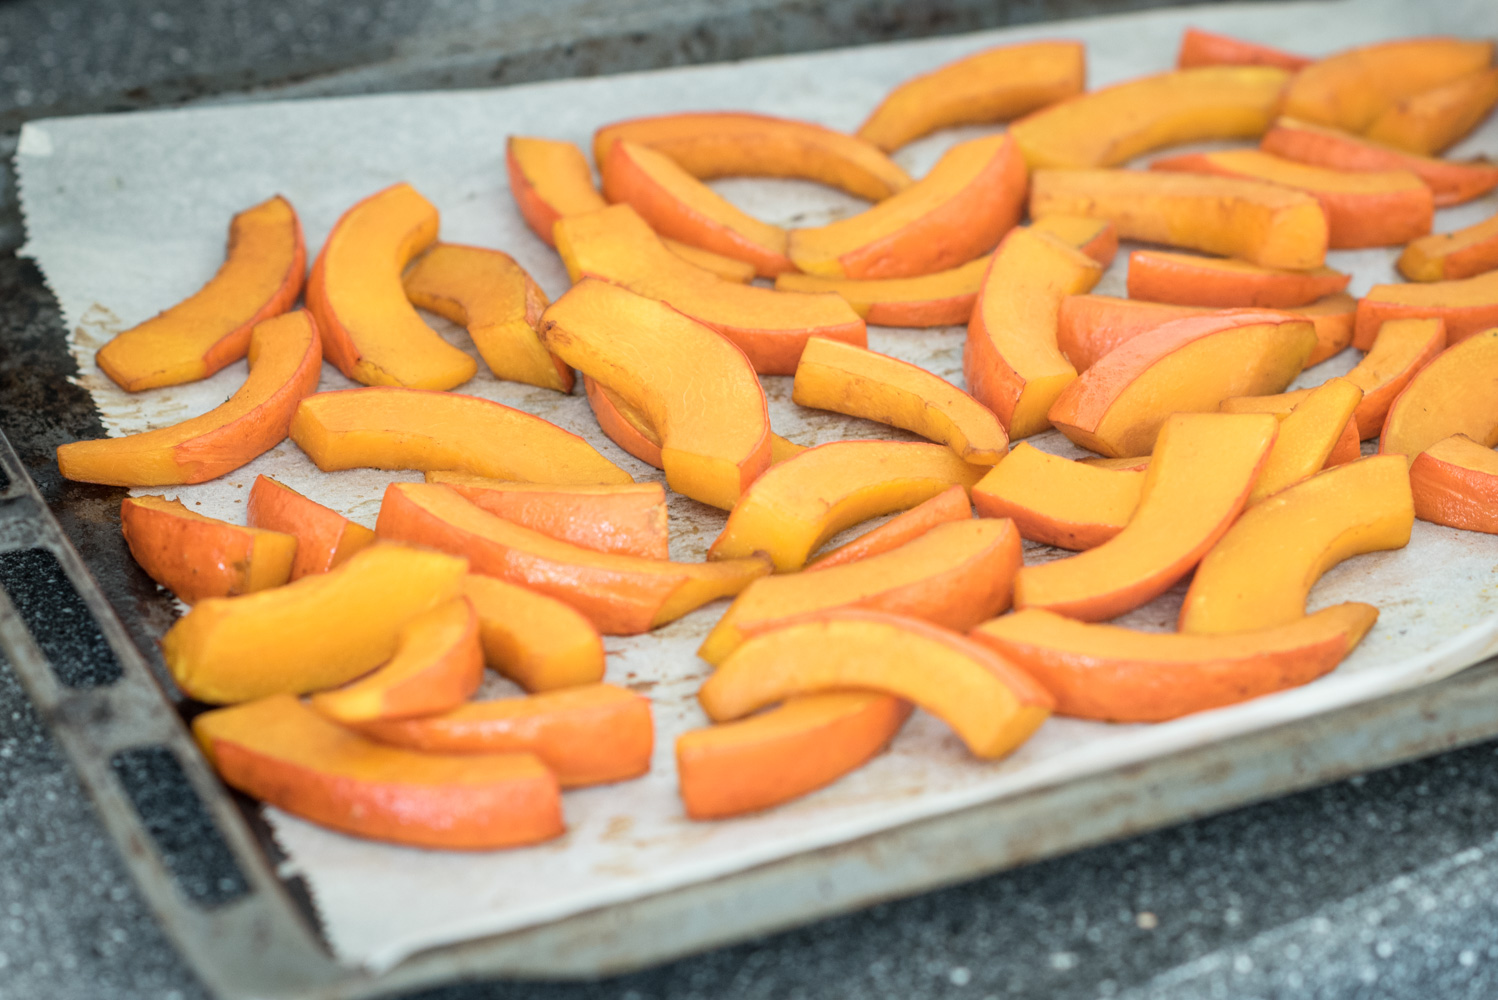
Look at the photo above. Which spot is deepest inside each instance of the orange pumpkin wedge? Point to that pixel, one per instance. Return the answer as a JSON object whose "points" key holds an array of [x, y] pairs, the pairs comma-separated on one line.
{"points": [[1106, 127], [966, 203], [771, 327], [712, 144], [1262, 570], [1115, 674], [491, 296], [1428, 122], [370, 330], [1452, 256], [282, 752], [942, 298], [1189, 280], [438, 664], [954, 575], [1262, 223], [1363, 208], [261, 277], [797, 505], [383, 427], [1453, 394], [620, 595], [949, 505], [1097, 238], [285, 364], [1351, 89], [1455, 482], [536, 641], [991, 705], [324, 537], [783, 753], [1198, 480], [1307, 437], [196, 557], [994, 85], [1057, 501], [1466, 305], [696, 389], [862, 383], [589, 735], [1206, 48], [318, 632]]}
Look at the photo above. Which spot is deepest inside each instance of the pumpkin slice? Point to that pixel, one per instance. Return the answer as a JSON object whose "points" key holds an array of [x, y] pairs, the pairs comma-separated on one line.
{"points": [[1351, 89], [318, 632], [620, 595], [797, 505], [589, 735], [285, 364], [438, 664], [1452, 256], [994, 85], [287, 755], [781, 754], [1097, 238], [738, 144], [697, 390], [861, 383], [1197, 482], [1116, 674], [954, 575], [949, 505], [196, 557], [1057, 501], [1467, 306], [942, 298], [991, 705], [388, 428], [771, 327], [1190, 365], [1453, 394], [1455, 482], [1206, 48], [1307, 437], [1261, 572], [370, 331], [1106, 127], [324, 537], [1363, 208], [261, 277], [536, 641], [1265, 224], [1428, 122], [1189, 280], [491, 296]]}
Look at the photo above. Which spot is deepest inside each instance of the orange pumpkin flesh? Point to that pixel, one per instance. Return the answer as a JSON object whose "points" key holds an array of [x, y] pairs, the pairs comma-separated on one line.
{"points": [[1455, 482], [949, 505], [1307, 437], [196, 557], [1097, 238], [1058, 501], [942, 298], [1206, 48], [1222, 283], [1428, 122], [1453, 394], [1452, 256], [1351, 89], [536, 641], [1467, 305], [324, 538]]}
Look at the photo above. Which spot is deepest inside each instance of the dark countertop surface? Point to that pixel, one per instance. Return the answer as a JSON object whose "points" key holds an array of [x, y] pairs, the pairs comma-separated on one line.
{"points": [[1381, 886]]}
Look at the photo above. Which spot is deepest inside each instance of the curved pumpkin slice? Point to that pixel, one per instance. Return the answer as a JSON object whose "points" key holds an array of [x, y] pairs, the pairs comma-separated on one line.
{"points": [[371, 332], [388, 428], [954, 575], [1363, 208], [1451, 182], [972, 196], [1106, 127], [1097, 238], [437, 665], [1116, 674], [1451, 395], [797, 505], [1467, 306], [712, 144], [1307, 437], [1265, 224], [491, 296], [862, 383], [196, 557], [1010, 358], [1057, 501], [261, 277], [1191, 365], [783, 753], [1428, 122], [728, 268], [324, 537], [620, 595], [285, 364], [1351, 89], [536, 641], [991, 705], [695, 388], [1197, 482], [1189, 280], [1205, 48], [1261, 572], [1452, 256], [284, 753], [317, 633], [942, 298], [949, 505], [615, 245], [1455, 482], [994, 85], [589, 735]]}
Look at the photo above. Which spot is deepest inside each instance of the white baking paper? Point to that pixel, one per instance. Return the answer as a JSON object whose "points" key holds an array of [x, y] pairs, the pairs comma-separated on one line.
{"points": [[127, 214]]}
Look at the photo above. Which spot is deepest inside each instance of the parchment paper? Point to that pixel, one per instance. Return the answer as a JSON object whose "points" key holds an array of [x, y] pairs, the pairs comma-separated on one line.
{"points": [[127, 214]]}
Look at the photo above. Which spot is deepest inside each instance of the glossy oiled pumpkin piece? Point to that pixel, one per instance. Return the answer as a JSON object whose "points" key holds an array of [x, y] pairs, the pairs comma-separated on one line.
{"points": [[949, 505], [196, 557], [1452, 256], [536, 641], [942, 298], [1455, 482], [1351, 89], [1453, 394], [1058, 501], [1434, 119], [1466, 305], [1224, 283], [324, 538], [261, 277], [1097, 238], [1307, 437], [1206, 48]]}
